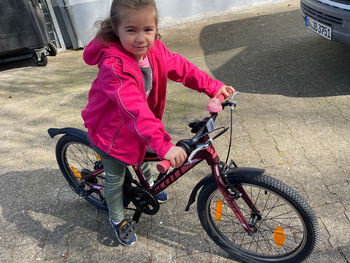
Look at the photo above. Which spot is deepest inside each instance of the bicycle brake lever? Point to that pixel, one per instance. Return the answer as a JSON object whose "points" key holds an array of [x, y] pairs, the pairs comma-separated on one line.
{"points": [[197, 149], [232, 102], [233, 96]]}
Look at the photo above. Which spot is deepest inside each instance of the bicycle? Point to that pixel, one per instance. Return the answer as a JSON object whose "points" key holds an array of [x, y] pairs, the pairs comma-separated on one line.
{"points": [[252, 216]]}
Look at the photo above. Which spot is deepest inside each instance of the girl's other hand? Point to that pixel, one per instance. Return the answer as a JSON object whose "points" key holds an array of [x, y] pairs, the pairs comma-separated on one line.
{"points": [[225, 91], [176, 155]]}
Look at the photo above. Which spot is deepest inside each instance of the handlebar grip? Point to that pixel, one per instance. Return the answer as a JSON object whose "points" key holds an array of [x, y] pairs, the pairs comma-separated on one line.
{"points": [[214, 105], [163, 166]]}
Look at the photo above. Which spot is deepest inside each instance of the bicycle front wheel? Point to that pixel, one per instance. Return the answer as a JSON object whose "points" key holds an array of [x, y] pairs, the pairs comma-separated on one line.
{"points": [[76, 158], [286, 232]]}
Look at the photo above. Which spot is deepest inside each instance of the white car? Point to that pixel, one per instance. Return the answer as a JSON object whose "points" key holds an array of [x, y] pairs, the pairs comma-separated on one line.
{"points": [[328, 18]]}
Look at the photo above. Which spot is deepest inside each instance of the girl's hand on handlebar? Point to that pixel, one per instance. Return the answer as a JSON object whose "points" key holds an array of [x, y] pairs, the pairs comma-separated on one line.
{"points": [[176, 156], [225, 91]]}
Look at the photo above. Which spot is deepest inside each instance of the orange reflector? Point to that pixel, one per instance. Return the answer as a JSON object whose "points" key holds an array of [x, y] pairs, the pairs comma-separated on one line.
{"points": [[98, 157], [76, 173], [218, 210], [279, 236]]}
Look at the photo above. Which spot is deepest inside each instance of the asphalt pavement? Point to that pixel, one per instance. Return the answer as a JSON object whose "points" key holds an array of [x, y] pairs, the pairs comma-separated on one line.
{"points": [[292, 120]]}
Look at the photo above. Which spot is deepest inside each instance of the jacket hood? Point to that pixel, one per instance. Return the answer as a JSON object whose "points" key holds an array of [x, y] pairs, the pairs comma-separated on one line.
{"points": [[97, 50]]}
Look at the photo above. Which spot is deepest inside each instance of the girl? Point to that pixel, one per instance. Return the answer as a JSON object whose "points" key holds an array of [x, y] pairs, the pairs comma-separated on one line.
{"points": [[127, 99]]}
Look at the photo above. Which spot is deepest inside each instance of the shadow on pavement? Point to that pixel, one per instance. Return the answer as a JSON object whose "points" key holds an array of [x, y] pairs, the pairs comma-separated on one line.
{"points": [[24, 62], [41, 207], [275, 54], [17, 64], [38, 207]]}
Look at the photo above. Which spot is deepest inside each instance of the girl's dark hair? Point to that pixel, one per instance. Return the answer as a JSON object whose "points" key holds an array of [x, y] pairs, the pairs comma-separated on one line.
{"points": [[108, 27]]}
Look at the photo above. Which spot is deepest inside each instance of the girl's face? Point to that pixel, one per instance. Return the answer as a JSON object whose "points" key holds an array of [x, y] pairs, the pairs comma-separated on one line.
{"points": [[137, 31]]}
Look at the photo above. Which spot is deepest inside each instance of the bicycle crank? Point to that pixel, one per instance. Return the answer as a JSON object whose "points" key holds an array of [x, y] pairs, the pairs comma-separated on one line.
{"points": [[144, 202]]}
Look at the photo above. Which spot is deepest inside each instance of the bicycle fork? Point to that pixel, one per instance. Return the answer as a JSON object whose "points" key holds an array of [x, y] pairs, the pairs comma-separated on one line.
{"points": [[231, 194]]}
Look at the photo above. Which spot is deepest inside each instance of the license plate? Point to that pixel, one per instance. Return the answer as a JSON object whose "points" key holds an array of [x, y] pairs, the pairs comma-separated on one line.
{"points": [[319, 28]]}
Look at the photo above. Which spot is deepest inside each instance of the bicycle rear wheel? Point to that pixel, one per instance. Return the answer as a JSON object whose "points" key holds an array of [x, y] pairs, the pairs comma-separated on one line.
{"points": [[76, 158], [286, 232]]}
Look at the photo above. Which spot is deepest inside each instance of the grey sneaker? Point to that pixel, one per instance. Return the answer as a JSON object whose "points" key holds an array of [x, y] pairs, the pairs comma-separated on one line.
{"points": [[125, 232]]}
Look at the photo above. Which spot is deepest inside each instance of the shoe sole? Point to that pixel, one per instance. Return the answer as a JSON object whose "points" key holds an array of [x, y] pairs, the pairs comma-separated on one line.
{"points": [[126, 245]]}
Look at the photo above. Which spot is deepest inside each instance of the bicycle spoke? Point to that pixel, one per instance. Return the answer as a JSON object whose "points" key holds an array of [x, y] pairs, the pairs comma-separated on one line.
{"points": [[77, 154], [257, 197], [268, 241], [272, 231], [284, 225], [81, 154]]}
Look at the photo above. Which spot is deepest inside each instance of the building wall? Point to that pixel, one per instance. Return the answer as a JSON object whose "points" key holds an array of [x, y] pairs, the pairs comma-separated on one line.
{"points": [[173, 12], [81, 15]]}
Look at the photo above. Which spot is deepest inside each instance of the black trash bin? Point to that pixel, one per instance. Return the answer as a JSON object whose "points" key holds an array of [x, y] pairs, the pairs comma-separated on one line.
{"points": [[23, 32]]}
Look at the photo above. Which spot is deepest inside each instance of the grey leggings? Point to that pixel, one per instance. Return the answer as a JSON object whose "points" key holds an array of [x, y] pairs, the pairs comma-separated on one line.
{"points": [[115, 174]]}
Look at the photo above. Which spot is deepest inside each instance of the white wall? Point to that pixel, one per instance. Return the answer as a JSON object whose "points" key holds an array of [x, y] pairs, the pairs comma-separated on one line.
{"points": [[84, 13], [173, 12]]}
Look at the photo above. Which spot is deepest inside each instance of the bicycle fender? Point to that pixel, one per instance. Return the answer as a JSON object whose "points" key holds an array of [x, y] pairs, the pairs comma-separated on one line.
{"points": [[245, 172], [237, 172], [206, 180], [70, 131]]}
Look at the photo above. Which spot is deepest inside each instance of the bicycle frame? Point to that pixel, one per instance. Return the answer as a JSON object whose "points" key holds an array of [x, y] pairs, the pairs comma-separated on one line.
{"points": [[211, 156], [165, 180]]}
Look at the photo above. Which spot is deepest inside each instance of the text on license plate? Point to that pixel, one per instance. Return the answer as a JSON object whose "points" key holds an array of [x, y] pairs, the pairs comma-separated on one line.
{"points": [[318, 27]]}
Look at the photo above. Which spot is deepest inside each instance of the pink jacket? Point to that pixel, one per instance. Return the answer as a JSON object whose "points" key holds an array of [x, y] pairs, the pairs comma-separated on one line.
{"points": [[120, 119]]}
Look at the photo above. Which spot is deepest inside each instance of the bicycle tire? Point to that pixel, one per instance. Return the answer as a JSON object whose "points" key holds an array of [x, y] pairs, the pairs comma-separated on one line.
{"points": [[224, 232], [74, 154]]}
